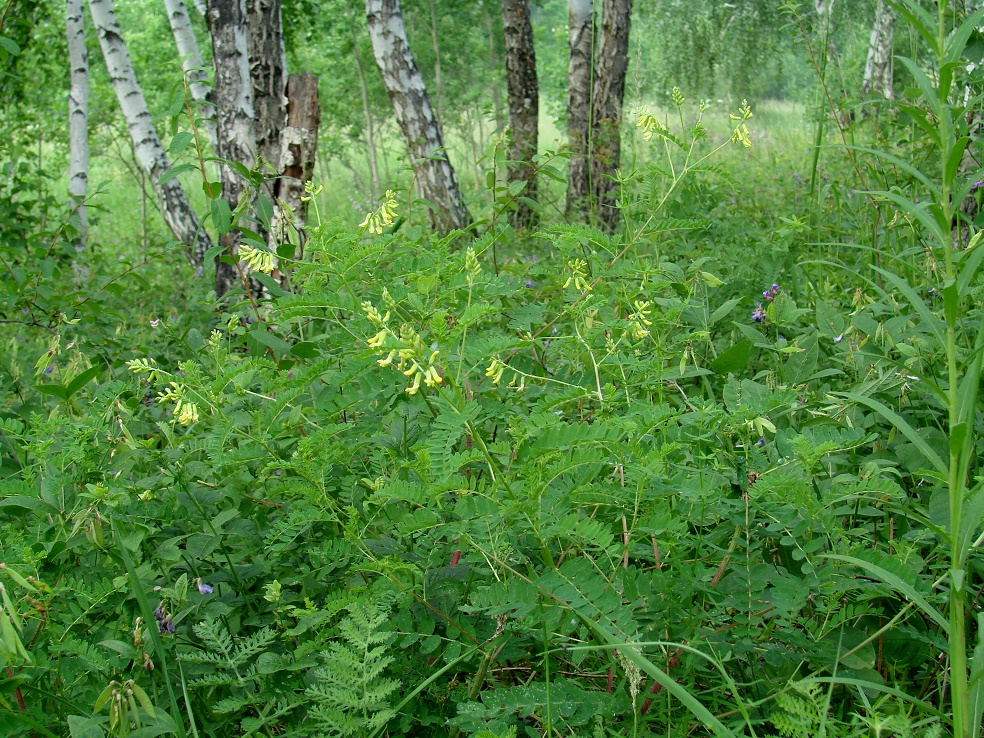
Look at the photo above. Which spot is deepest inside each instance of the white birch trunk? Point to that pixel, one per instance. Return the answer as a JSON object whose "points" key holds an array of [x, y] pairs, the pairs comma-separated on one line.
{"points": [[191, 62], [78, 112], [268, 71], [878, 69], [234, 115], [434, 175], [581, 53], [177, 213]]}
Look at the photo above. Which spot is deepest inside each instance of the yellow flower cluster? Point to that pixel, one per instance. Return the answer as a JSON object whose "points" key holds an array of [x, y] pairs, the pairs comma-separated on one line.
{"points": [[639, 320], [650, 125], [381, 217], [185, 411], [741, 130], [579, 275], [406, 350], [257, 260]]}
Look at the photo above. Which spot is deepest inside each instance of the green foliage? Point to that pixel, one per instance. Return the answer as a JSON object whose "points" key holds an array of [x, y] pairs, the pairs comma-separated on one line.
{"points": [[573, 483], [350, 696]]}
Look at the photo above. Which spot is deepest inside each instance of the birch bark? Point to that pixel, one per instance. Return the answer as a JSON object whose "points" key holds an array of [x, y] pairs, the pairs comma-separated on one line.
{"points": [[232, 97], [78, 112], [606, 107], [177, 213], [268, 72], [878, 69], [579, 70], [191, 63], [299, 146], [524, 105], [434, 175]]}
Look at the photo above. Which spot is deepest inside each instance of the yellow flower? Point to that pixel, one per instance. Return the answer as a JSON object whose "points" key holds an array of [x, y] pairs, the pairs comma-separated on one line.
{"points": [[495, 370], [578, 275], [257, 260], [381, 217], [379, 339]]}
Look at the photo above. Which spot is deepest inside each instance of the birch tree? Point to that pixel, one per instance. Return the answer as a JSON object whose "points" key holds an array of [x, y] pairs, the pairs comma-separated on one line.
{"points": [[433, 174], [268, 74], [191, 63], [233, 100], [878, 69], [524, 105], [581, 51], [78, 112], [606, 106], [177, 213]]}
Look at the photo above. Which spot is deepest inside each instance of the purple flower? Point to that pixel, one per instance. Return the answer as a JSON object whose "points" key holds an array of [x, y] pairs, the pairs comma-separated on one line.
{"points": [[760, 442], [49, 370], [758, 314], [775, 289], [276, 472], [249, 318], [199, 271], [767, 295], [529, 284], [977, 185], [205, 589]]}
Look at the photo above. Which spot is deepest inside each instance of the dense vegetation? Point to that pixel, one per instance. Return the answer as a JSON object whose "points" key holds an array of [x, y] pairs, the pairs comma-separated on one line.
{"points": [[710, 472]]}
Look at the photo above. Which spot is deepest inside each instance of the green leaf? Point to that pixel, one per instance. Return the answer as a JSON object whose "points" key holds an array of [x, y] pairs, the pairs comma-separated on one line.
{"points": [[81, 380], [10, 46], [262, 335], [907, 430], [722, 311], [733, 359], [180, 142], [221, 215], [896, 583], [86, 727], [23, 502], [175, 171], [917, 303], [56, 390], [305, 350], [976, 683]]}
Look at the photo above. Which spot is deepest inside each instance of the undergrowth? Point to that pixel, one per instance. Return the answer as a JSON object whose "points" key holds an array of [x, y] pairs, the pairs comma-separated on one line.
{"points": [[677, 480]]}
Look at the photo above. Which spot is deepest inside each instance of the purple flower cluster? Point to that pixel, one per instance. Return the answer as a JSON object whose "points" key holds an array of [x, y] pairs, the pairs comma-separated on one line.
{"points": [[164, 622], [977, 185], [758, 314]]}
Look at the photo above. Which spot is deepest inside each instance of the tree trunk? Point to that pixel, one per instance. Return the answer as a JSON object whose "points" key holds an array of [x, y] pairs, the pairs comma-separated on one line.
{"points": [[191, 62], [268, 71], [524, 105], [178, 215], [606, 107], [233, 100], [581, 49], [878, 70], [433, 173], [78, 113], [370, 130], [299, 146]]}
